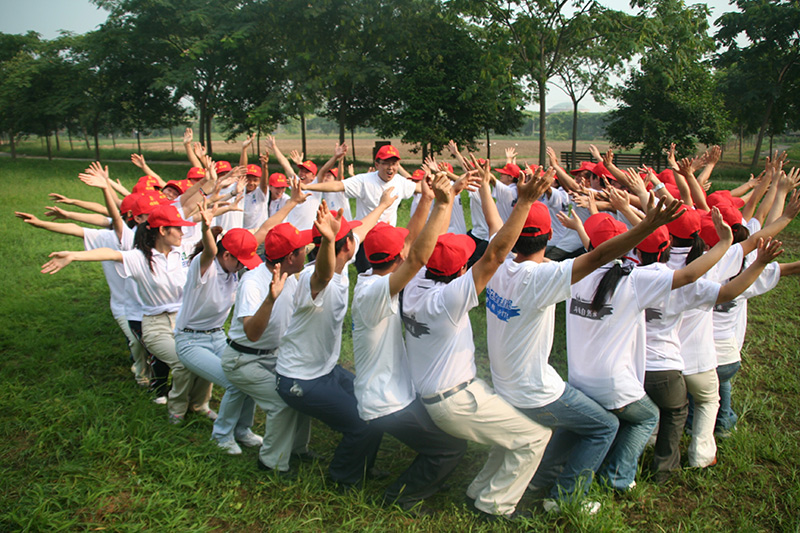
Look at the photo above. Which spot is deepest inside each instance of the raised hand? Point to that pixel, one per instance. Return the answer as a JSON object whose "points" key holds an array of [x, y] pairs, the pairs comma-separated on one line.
{"points": [[552, 157], [723, 230], [768, 250], [531, 187], [340, 151], [278, 280], [188, 136], [569, 221], [264, 158], [248, 141], [269, 143], [60, 198], [441, 188], [58, 260], [138, 160], [452, 146], [595, 152], [297, 195], [511, 155], [296, 157], [199, 150], [55, 212], [619, 199], [326, 223], [351, 170], [28, 218], [673, 164]]}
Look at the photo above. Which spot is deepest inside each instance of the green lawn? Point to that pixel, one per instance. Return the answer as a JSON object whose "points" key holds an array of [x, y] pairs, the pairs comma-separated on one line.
{"points": [[83, 448]]}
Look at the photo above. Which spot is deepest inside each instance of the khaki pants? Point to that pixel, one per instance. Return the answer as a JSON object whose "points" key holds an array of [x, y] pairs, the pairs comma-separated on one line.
{"points": [[187, 389], [478, 414], [704, 388], [141, 368]]}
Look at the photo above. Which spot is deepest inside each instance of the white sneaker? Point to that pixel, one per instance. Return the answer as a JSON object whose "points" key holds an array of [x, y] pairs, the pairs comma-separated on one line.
{"points": [[208, 413], [230, 447], [250, 439], [587, 507], [160, 400]]}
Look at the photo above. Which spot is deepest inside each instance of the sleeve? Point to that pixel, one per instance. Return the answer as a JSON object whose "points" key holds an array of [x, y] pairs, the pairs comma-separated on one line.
{"points": [[548, 284], [194, 272], [700, 295], [651, 287], [767, 281], [354, 187], [503, 193], [459, 296], [729, 265], [133, 265], [126, 243], [249, 298], [376, 302], [91, 239], [409, 188]]}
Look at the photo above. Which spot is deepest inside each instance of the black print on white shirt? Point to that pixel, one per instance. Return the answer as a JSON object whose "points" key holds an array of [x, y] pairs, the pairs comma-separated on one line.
{"points": [[651, 313], [416, 329], [726, 307], [579, 308]]}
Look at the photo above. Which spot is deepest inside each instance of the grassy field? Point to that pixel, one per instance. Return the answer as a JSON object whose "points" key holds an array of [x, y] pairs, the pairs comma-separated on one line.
{"points": [[83, 448]]}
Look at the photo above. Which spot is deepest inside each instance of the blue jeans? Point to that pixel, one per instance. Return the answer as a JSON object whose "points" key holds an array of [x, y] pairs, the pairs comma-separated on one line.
{"points": [[637, 421], [200, 353], [726, 418], [584, 433]]}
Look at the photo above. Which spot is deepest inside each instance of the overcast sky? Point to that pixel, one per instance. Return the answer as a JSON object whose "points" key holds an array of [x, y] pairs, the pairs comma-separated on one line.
{"points": [[48, 17]]}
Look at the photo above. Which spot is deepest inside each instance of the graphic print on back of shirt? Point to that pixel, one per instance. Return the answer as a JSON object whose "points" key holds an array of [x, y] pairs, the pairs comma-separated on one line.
{"points": [[583, 309], [503, 308]]}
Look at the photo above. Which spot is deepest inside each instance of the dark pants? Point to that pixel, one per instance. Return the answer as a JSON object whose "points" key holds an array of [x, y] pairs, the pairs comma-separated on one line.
{"points": [[480, 248], [331, 400], [160, 369], [439, 453], [667, 389]]}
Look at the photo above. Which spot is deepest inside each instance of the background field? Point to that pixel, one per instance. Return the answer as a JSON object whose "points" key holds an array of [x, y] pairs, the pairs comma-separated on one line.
{"points": [[84, 449]]}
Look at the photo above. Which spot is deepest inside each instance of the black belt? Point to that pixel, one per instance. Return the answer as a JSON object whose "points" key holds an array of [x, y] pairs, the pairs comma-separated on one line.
{"points": [[439, 396], [206, 331], [246, 349]]}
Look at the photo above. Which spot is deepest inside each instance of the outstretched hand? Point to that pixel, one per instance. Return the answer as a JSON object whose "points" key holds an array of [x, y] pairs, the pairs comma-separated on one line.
{"points": [[278, 280], [768, 250], [326, 223], [58, 260], [531, 186]]}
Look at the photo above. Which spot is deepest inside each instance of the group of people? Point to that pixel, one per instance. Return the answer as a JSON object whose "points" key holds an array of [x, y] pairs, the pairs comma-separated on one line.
{"points": [[654, 271]]}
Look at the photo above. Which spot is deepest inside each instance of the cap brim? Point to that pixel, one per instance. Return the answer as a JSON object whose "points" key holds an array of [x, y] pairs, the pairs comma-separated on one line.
{"points": [[251, 262]]}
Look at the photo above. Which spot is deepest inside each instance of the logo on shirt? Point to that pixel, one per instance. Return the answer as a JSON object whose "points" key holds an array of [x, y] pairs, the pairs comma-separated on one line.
{"points": [[726, 307], [414, 328], [503, 308], [582, 309], [185, 261], [651, 313]]}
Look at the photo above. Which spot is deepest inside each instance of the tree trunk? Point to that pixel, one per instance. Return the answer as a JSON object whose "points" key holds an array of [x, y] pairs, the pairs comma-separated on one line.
{"points": [[58, 144], [258, 140], [96, 141], [208, 132], [574, 131], [49, 152], [86, 138], [69, 136], [303, 131], [113, 140], [342, 119], [542, 122], [138, 141], [202, 123], [488, 145], [760, 139], [424, 151], [741, 137], [171, 140], [771, 137], [352, 145], [11, 137]]}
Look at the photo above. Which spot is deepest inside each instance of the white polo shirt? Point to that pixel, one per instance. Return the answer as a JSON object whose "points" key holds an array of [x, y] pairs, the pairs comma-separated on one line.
{"points": [[520, 324], [133, 302], [231, 219], [506, 196], [438, 332], [606, 349], [367, 190], [104, 238], [256, 209], [161, 290], [207, 299], [383, 377], [480, 230], [302, 216]]}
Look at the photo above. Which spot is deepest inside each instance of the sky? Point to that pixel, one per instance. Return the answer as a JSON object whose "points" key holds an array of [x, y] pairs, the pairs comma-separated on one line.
{"points": [[49, 17]]}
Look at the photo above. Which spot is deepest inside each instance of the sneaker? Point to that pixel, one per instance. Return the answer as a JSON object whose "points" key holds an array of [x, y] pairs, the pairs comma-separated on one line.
{"points": [[308, 456], [587, 507], [208, 413], [160, 400], [249, 439], [175, 419], [230, 447]]}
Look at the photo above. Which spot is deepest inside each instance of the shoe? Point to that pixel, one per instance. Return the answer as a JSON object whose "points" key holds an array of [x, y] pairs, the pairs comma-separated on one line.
{"points": [[285, 474], [489, 517], [230, 447], [724, 433], [208, 413], [249, 439], [378, 474], [308, 456], [175, 419], [143, 382], [587, 507], [160, 400]]}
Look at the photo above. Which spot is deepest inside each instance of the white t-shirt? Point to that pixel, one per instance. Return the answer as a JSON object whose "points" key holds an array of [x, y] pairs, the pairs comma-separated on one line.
{"points": [[207, 299], [133, 303], [161, 290], [730, 318], [302, 216], [231, 219], [506, 196], [606, 349], [253, 290], [480, 229], [104, 238], [367, 190], [562, 238], [383, 377], [438, 332], [457, 223], [663, 343], [256, 210], [520, 323], [276, 204], [336, 201]]}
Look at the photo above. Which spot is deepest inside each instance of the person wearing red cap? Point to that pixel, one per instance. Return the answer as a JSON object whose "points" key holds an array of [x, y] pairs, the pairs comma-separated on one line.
{"points": [[441, 354], [329, 172], [383, 387], [208, 295], [158, 265], [520, 318], [260, 318], [310, 379], [302, 216]]}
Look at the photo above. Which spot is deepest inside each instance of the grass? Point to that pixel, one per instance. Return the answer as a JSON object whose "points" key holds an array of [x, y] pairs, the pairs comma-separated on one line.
{"points": [[83, 448]]}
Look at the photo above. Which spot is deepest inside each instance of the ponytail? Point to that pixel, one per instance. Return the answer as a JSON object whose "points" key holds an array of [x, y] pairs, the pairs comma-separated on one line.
{"points": [[145, 241], [697, 244], [608, 284]]}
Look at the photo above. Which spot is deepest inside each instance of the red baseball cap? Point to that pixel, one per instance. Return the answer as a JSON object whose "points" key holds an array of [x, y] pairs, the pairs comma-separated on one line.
{"points": [[387, 151], [707, 230], [666, 177], [672, 189], [128, 203], [310, 166], [538, 221], [724, 197], [196, 173], [601, 227], [335, 172], [601, 170], [284, 239], [509, 170], [585, 165], [655, 242], [418, 175], [384, 239], [242, 245], [146, 183], [452, 251], [278, 180], [222, 166], [449, 167], [685, 225], [253, 170], [345, 228], [180, 185], [166, 215], [146, 203], [730, 214]]}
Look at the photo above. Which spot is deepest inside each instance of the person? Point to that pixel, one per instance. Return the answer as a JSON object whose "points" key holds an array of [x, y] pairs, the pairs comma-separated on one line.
{"points": [[302, 216], [310, 379], [386, 396], [158, 264], [520, 322], [441, 356]]}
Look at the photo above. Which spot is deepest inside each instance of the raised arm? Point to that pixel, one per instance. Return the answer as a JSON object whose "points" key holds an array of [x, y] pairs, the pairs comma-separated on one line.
{"points": [[493, 220], [209, 244], [574, 222], [297, 197], [59, 260], [768, 250], [254, 326], [89, 206], [272, 146], [786, 183], [138, 160], [187, 145], [759, 190], [339, 151], [328, 225], [711, 161], [564, 178], [388, 197], [65, 229], [93, 219], [770, 230], [245, 145], [97, 176]]}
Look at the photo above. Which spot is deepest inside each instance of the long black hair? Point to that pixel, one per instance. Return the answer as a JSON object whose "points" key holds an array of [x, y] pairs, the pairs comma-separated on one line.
{"points": [[608, 284], [695, 242], [145, 241]]}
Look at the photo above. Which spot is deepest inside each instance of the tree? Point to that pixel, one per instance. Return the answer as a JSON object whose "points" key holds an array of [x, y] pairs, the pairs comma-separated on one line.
{"points": [[17, 71], [769, 64], [673, 97]]}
